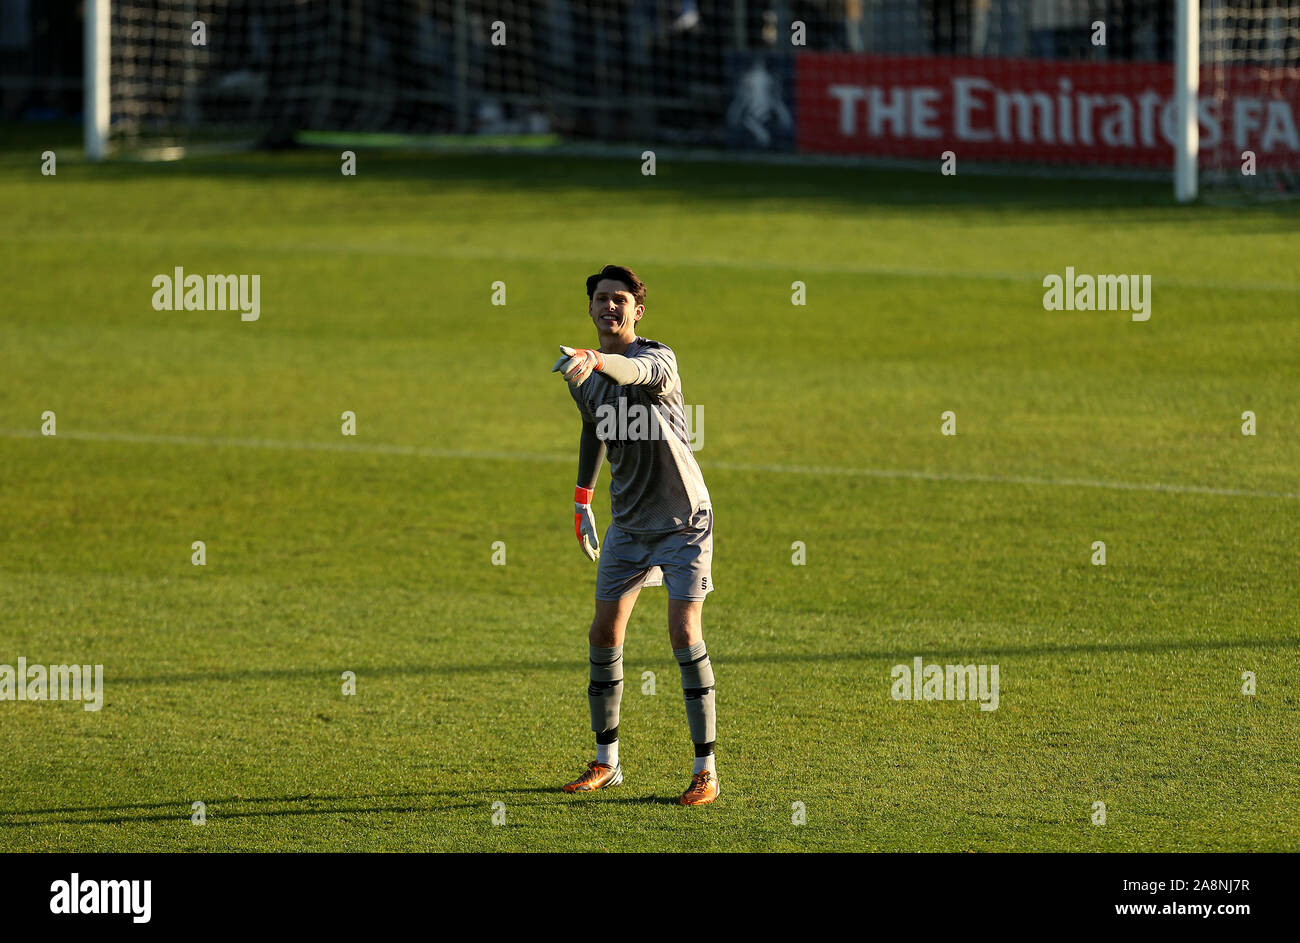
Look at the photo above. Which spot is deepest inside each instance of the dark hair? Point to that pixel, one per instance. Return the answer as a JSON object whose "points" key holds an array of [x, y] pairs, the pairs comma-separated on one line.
{"points": [[619, 274]]}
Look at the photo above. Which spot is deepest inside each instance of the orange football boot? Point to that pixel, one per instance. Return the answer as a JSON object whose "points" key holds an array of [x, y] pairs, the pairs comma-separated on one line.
{"points": [[597, 776], [704, 788]]}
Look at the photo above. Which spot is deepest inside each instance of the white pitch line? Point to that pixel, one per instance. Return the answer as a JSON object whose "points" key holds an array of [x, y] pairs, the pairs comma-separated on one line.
{"points": [[1006, 480], [811, 470], [376, 449]]}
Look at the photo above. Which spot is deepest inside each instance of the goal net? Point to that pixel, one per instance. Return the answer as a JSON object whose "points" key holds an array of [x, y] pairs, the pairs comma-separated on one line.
{"points": [[1250, 97], [1032, 84]]}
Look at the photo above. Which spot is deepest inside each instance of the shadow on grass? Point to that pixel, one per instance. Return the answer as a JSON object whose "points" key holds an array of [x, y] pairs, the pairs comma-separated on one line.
{"points": [[642, 800], [965, 653], [146, 811]]}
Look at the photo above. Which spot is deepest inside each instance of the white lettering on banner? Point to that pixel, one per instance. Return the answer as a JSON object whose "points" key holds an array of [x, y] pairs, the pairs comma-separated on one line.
{"points": [[1061, 112]]}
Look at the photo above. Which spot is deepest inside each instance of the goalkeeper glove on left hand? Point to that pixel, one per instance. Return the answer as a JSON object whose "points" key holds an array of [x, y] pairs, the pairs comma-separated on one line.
{"points": [[584, 523]]}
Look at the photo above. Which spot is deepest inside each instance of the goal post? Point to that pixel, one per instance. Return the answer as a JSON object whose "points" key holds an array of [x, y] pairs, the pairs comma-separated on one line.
{"points": [[96, 100], [1187, 82], [1204, 91]]}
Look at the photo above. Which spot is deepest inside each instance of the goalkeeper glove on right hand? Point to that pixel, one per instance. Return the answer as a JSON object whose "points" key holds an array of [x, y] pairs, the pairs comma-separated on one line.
{"points": [[578, 364], [584, 522]]}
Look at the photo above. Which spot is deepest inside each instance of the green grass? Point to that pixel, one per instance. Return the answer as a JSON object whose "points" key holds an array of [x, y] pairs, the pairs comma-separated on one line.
{"points": [[1119, 684]]}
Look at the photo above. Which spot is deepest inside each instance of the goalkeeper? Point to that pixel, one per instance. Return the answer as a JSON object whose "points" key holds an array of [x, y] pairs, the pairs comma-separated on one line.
{"points": [[662, 529]]}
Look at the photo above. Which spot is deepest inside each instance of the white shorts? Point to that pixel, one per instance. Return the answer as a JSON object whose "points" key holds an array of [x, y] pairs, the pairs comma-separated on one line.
{"points": [[683, 559]]}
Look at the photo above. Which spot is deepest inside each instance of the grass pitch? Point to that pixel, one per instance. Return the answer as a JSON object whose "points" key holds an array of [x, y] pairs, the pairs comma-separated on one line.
{"points": [[1120, 683]]}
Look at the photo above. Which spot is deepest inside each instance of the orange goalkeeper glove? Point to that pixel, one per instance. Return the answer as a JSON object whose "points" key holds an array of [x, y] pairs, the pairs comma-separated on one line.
{"points": [[584, 522], [578, 364]]}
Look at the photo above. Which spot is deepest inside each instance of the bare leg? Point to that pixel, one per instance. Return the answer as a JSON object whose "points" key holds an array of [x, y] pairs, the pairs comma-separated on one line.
{"points": [[610, 623], [684, 627]]}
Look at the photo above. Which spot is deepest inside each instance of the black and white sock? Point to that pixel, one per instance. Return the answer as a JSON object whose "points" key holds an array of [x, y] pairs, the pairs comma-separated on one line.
{"points": [[697, 691], [604, 695]]}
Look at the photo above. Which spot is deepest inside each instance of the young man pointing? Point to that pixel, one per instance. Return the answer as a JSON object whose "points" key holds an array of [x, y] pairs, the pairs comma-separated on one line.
{"points": [[662, 531]]}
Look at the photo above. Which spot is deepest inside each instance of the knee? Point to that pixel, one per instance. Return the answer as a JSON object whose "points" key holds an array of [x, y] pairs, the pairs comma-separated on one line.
{"points": [[684, 623], [603, 633], [682, 638], [683, 633]]}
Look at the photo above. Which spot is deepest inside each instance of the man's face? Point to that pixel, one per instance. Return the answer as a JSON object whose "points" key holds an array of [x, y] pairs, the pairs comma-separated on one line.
{"points": [[614, 311]]}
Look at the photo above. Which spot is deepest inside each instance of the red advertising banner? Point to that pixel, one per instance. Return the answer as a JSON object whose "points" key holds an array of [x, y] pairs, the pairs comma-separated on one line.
{"points": [[1114, 114]]}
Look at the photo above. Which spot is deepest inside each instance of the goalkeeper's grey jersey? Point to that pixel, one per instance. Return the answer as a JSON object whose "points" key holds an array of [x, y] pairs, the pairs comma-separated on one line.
{"points": [[655, 483]]}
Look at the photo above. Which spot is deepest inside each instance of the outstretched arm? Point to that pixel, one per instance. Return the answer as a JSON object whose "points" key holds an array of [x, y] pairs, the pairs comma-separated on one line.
{"points": [[634, 371], [654, 369]]}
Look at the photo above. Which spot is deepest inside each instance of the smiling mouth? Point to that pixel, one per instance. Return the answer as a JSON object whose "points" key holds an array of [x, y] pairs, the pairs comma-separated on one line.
{"points": [[609, 318]]}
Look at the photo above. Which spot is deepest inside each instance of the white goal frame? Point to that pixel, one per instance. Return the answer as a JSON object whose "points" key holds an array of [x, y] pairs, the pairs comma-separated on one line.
{"points": [[1187, 84], [97, 50], [98, 20]]}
